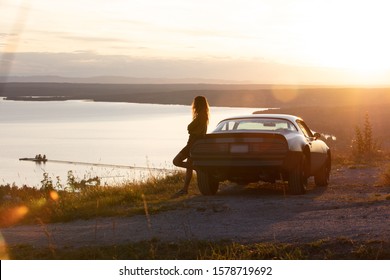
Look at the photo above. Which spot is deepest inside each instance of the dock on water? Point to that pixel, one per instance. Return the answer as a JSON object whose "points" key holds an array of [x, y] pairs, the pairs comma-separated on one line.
{"points": [[45, 160]]}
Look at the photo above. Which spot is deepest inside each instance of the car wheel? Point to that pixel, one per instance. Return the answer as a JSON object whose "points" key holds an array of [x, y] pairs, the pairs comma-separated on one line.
{"points": [[321, 178], [297, 181], [206, 183]]}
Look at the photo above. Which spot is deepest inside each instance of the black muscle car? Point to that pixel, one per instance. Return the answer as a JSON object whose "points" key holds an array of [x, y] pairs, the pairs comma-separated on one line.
{"points": [[261, 147]]}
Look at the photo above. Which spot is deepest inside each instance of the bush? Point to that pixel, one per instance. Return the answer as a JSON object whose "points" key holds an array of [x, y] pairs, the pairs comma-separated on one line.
{"points": [[364, 146]]}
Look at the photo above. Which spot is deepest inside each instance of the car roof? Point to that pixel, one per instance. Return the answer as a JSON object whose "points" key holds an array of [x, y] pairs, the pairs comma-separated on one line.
{"points": [[291, 118]]}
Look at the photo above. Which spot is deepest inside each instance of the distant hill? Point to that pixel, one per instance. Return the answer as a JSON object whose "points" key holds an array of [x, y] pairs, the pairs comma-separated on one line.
{"points": [[228, 95], [110, 80]]}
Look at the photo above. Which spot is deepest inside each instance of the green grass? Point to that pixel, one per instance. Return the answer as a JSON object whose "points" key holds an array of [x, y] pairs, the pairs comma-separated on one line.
{"points": [[203, 250], [31, 205]]}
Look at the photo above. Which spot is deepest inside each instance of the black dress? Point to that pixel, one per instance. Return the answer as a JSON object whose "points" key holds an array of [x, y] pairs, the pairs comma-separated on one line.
{"points": [[196, 130]]}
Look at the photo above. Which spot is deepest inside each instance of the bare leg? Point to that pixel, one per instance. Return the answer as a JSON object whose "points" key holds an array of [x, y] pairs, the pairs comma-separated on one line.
{"points": [[187, 180], [179, 161]]}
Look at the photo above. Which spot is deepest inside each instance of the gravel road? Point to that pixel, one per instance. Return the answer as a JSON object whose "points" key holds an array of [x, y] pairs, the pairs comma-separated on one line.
{"points": [[353, 206]]}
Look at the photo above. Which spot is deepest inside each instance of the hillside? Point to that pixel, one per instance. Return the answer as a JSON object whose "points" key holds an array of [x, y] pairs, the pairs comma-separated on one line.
{"points": [[255, 96]]}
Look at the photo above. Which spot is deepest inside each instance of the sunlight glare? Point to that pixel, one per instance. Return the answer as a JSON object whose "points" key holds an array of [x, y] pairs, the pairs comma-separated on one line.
{"points": [[349, 35], [285, 94], [54, 195], [3, 249], [14, 215], [21, 211]]}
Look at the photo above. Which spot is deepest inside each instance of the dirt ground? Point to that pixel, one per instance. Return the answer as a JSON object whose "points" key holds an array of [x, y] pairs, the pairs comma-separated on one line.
{"points": [[353, 206]]}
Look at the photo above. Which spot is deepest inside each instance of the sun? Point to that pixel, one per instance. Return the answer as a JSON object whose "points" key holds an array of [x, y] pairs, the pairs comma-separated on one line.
{"points": [[349, 35]]}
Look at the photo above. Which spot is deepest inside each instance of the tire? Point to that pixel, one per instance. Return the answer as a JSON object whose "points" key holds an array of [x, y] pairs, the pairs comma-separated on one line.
{"points": [[321, 178], [206, 183], [297, 181]]}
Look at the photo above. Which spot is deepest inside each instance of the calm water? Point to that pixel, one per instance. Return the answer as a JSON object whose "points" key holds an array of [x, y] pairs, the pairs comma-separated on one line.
{"points": [[127, 134]]}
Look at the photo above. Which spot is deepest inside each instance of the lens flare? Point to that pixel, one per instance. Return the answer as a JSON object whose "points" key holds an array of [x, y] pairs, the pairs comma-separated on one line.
{"points": [[14, 215], [54, 195], [3, 249], [285, 94]]}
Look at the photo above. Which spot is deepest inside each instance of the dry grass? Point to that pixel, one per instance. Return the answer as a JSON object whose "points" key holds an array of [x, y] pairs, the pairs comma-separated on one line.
{"points": [[31, 205], [341, 248]]}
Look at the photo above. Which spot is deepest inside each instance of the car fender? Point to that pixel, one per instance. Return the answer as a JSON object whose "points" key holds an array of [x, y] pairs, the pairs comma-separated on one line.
{"points": [[296, 142], [319, 153]]}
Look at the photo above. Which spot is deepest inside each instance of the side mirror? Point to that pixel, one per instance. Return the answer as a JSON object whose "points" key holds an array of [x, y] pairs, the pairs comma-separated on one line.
{"points": [[317, 135]]}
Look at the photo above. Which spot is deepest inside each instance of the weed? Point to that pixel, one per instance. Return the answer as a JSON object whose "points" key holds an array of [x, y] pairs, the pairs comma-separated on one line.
{"points": [[47, 182], [55, 203], [337, 249], [364, 146]]}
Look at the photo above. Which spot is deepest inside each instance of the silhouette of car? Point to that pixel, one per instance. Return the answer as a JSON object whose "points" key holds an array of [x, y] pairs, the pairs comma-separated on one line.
{"points": [[261, 147]]}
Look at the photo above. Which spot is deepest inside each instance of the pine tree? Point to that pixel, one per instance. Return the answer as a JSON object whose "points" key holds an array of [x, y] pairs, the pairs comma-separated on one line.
{"points": [[365, 145], [359, 142], [368, 141]]}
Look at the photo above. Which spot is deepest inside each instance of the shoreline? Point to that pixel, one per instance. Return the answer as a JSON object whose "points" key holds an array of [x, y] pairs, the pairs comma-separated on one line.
{"points": [[251, 96], [331, 110]]}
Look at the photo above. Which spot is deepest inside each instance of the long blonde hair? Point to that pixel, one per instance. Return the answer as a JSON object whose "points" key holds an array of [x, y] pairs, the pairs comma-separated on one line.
{"points": [[200, 106]]}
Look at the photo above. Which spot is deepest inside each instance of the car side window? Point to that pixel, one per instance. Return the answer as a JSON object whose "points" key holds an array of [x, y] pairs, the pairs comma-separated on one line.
{"points": [[305, 129], [226, 126]]}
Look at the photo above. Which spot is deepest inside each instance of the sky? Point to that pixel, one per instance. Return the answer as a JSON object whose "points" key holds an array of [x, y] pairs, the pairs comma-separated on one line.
{"points": [[258, 41]]}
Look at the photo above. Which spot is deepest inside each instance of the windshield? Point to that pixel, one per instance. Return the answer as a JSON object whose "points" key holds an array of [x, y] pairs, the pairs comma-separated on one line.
{"points": [[263, 124]]}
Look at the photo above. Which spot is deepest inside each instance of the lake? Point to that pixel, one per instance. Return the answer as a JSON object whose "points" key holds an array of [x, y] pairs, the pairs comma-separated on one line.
{"points": [[118, 134]]}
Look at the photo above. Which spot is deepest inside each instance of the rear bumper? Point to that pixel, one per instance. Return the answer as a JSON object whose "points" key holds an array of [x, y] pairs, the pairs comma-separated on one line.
{"points": [[285, 161]]}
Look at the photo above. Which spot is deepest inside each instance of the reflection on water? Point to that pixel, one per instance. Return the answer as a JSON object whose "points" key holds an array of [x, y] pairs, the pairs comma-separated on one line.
{"points": [[124, 134]]}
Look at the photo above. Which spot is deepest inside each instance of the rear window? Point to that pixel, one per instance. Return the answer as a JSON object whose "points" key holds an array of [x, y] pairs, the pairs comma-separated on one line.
{"points": [[255, 125]]}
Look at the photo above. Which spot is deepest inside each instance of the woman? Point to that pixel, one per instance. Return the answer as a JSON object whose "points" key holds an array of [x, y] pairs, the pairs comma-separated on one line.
{"points": [[196, 130]]}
